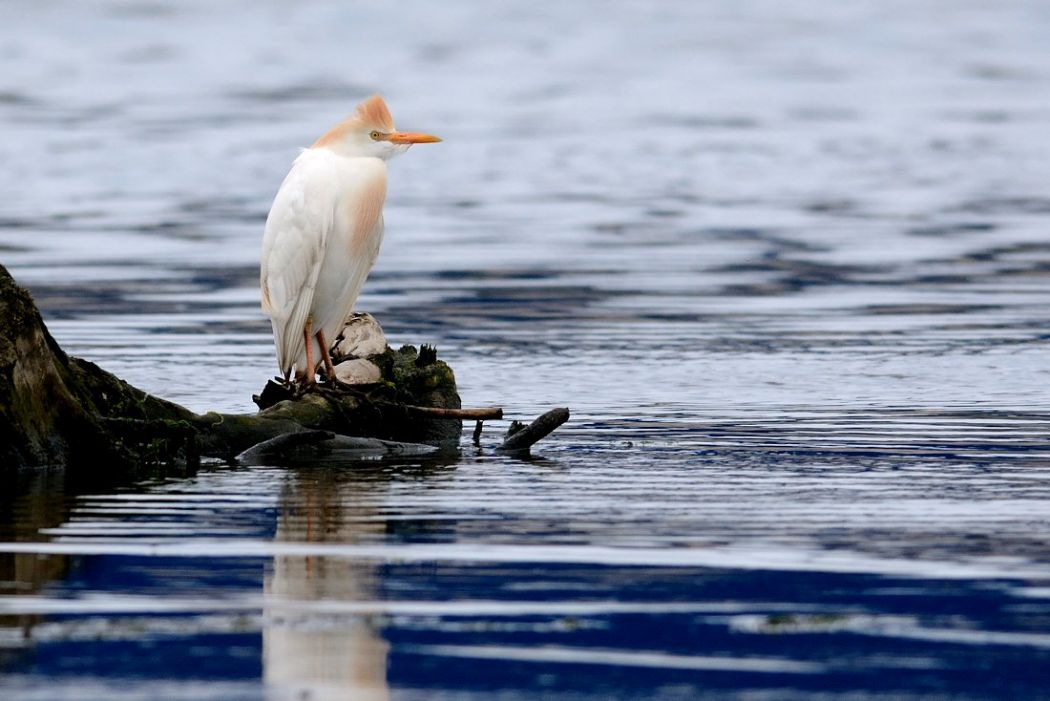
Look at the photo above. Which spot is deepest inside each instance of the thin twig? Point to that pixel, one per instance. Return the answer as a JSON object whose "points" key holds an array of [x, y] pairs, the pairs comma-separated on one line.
{"points": [[487, 413]]}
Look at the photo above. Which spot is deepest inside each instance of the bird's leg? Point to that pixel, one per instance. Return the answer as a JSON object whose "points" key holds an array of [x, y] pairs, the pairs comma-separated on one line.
{"points": [[329, 369], [309, 378]]}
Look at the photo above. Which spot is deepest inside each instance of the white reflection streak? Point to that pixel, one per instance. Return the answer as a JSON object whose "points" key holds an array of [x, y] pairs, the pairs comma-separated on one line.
{"points": [[304, 655], [114, 604], [656, 660], [781, 557]]}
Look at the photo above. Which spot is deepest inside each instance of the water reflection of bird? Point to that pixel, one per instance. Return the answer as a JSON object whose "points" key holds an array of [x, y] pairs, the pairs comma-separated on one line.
{"points": [[323, 234]]}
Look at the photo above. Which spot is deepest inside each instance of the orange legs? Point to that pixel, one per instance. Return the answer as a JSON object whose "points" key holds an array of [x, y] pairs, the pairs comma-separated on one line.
{"points": [[329, 369], [309, 375]]}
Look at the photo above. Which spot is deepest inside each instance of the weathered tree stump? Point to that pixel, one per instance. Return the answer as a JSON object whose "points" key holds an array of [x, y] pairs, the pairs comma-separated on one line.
{"points": [[57, 410]]}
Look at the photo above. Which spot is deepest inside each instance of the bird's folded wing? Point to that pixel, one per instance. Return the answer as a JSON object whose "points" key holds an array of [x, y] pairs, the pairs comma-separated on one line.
{"points": [[297, 229]]}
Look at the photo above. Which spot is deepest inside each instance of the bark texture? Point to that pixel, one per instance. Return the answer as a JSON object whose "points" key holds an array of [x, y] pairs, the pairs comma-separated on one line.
{"points": [[57, 410]]}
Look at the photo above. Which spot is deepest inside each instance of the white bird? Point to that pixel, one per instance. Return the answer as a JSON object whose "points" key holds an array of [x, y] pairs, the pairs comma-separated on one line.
{"points": [[323, 234]]}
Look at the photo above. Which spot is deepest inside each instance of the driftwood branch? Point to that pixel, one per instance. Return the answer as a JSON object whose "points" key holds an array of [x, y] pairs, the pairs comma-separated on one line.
{"points": [[479, 414], [313, 446], [520, 438], [282, 444]]}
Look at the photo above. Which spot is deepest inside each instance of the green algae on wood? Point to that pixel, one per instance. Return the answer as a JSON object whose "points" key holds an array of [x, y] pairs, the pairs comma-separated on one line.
{"points": [[57, 410]]}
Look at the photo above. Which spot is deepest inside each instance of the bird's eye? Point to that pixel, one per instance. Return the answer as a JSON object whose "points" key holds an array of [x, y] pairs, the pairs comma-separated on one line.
{"points": [[375, 136]]}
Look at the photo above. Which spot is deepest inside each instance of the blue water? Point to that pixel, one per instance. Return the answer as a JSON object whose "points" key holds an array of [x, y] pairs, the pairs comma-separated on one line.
{"points": [[787, 263]]}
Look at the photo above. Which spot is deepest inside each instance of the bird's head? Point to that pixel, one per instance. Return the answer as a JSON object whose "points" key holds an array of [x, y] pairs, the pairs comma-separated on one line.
{"points": [[370, 132]]}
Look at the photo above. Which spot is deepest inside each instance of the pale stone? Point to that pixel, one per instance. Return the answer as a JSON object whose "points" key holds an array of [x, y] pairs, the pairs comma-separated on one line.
{"points": [[361, 337], [357, 372]]}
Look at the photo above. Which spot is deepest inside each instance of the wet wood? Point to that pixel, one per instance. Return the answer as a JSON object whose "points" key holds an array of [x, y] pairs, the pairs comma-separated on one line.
{"points": [[312, 446], [64, 411], [521, 438], [480, 414], [283, 444]]}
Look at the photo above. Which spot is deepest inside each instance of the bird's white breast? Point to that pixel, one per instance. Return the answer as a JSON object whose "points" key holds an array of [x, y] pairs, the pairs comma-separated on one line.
{"points": [[322, 237]]}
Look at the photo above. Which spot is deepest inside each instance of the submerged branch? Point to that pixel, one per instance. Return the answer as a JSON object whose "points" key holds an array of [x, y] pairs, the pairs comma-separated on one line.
{"points": [[521, 438]]}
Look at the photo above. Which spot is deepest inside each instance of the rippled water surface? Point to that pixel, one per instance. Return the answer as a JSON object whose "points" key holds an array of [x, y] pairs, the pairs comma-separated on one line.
{"points": [[788, 264]]}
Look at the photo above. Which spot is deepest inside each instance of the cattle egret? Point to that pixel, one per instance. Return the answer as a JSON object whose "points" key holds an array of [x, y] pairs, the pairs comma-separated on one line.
{"points": [[323, 234]]}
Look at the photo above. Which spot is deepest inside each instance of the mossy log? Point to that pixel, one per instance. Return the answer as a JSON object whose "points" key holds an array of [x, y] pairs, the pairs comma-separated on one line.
{"points": [[57, 410]]}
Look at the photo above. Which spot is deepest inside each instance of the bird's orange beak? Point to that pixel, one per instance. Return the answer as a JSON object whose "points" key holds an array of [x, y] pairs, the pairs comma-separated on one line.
{"points": [[411, 137]]}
